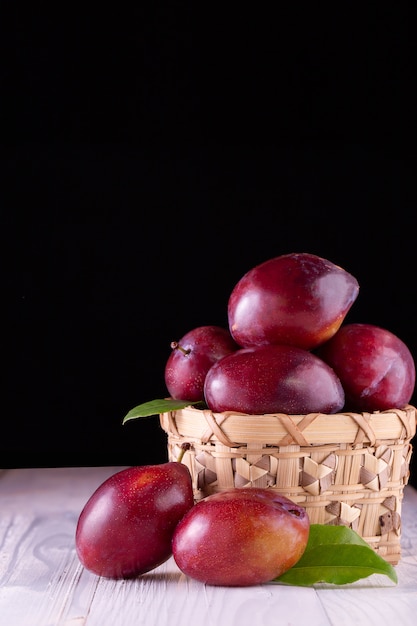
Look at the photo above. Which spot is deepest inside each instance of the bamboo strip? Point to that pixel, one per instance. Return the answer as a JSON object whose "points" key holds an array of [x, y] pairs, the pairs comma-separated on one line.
{"points": [[273, 428]]}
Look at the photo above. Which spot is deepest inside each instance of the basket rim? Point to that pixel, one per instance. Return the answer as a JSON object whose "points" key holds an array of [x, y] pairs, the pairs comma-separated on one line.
{"points": [[396, 425]]}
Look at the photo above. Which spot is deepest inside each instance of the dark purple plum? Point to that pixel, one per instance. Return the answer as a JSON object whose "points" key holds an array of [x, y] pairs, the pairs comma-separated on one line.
{"points": [[297, 299], [375, 367], [273, 379], [125, 528], [241, 537], [191, 358]]}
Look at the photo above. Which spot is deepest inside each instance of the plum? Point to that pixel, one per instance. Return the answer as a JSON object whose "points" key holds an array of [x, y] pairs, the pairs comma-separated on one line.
{"points": [[375, 367], [125, 528], [240, 537], [191, 358], [298, 299], [273, 379]]}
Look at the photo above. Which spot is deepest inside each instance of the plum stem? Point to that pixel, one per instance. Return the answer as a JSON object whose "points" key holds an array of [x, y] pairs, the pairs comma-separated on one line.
{"points": [[176, 346], [184, 447]]}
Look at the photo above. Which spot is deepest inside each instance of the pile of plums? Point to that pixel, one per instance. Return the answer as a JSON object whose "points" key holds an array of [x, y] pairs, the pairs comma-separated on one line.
{"points": [[288, 350]]}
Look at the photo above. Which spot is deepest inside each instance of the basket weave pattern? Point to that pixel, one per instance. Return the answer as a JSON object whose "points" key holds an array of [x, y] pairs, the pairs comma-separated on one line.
{"points": [[357, 482]]}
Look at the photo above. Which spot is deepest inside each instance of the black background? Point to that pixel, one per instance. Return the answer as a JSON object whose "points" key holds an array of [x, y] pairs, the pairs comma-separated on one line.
{"points": [[150, 160]]}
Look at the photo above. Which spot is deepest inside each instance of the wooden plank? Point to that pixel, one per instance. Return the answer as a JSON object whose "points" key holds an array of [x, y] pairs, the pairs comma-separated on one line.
{"points": [[166, 596], [39, 570]]}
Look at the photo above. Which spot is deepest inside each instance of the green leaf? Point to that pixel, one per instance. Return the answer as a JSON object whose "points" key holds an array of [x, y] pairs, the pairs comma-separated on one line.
{"points": [[338, 555], [155, 407]]}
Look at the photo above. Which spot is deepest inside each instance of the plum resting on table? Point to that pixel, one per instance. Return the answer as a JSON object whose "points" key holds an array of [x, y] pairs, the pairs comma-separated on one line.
{"points": [[375, 367], [240, 537], [273, 379], [125, 529], [298, 299], [191, 358]]}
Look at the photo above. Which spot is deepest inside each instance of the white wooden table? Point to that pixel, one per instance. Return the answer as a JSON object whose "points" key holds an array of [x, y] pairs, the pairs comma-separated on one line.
{"points": [[43, 584]]}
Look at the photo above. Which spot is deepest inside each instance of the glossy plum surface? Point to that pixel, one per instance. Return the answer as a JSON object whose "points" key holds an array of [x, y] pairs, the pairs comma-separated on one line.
{"points": [[375, 366], [125, 529], [191, 358], [297, 299], [240, 537], [273, 379]]}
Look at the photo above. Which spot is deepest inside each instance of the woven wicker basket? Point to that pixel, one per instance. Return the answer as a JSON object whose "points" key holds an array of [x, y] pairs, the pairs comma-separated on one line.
{"points": [[346, 469]]}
